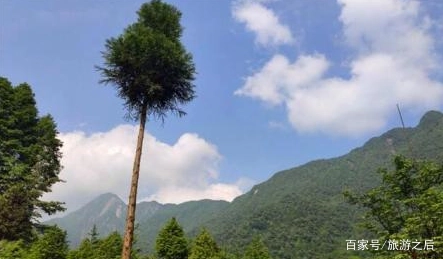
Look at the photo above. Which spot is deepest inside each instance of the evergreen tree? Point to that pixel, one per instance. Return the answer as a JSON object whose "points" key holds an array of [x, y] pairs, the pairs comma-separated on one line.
{"points": [[93, 235], [171, 242], [256, 250], [110, 247], [29, 162], [153, 73], [51, 245], [84, 251], [88, 248], [94, 247], [204, 246]]}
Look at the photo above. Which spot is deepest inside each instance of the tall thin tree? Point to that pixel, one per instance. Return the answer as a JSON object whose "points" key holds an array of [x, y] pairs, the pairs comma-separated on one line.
{"points": [[153, 74]]}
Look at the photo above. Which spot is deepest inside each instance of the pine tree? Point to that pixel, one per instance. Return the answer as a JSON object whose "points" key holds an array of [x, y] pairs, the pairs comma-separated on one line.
{"points": [[29, 162], [171, 242], [110, 247], [51, 245], [257, 250], [89, 247], [93, 235], [204, 246]]}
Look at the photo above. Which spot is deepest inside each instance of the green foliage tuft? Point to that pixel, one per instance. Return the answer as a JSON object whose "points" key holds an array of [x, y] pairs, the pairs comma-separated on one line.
{"points": [[12, 249], [408, 205], [204, 247], [171, 242], [95, 248], [51, 245], [257, 250], [148, 64]]}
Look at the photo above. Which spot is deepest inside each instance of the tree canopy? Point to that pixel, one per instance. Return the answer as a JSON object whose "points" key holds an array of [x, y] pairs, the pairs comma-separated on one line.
{"points": [[204, 246], [148, 64], [95, 248], [407, 206], [256, 250], [29, 161], [51, 245], [171, 242]]}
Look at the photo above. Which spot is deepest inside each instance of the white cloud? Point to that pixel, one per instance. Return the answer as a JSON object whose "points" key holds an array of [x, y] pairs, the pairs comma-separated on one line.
{"points": [[399, 29], [279, 78], [102, 162], [394, 61], [178, 194], [262, 21]]}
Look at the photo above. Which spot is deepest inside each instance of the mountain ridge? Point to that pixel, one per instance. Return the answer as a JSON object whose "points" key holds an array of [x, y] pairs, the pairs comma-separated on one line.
{"points": [[311, 208], [108, 211], [302, 207]]}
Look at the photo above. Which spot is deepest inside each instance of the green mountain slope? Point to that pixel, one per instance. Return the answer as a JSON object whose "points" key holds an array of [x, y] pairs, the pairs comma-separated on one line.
{"points": [[108, 213], [190, 215], [301, 213]]}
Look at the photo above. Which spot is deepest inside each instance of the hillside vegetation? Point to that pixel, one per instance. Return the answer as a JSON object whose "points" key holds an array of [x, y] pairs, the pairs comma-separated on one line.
{"points": [[301, 212], [298, 213]]}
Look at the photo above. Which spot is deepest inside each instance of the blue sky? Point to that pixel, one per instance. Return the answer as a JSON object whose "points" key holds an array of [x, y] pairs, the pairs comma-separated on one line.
{"points": [[280, 83]]}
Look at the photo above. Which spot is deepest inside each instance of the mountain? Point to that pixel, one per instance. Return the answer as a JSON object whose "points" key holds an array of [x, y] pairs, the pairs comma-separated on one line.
{"points": [[299, 212], [108, 212], [189, 214]]}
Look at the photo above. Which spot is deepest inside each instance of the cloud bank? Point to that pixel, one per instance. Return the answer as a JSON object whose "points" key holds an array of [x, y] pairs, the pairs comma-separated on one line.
{"points": [[393, 63], [102, 162]]}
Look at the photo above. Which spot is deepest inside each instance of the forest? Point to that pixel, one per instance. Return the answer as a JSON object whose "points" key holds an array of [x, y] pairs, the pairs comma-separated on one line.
{"points": [[171, 243]]}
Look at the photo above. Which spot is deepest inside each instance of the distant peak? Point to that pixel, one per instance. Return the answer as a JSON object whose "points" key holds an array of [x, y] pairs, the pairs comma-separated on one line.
{"points": [[150, 202], [105, 198], [431, 118], [108, 195]]}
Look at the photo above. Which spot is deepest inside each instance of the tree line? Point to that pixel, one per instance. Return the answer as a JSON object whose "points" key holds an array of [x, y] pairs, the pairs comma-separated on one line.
{"points": [[171, 243]]}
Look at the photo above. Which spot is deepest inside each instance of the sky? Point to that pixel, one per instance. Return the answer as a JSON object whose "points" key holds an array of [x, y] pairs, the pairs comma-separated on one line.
{"points": [[279, 83]]}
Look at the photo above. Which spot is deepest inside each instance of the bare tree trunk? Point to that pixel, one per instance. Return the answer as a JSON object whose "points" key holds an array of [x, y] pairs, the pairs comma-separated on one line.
{"points": [[130, 216]]}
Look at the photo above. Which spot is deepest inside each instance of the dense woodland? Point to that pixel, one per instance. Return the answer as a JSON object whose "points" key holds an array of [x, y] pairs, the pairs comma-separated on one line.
{"points": [[171, 243]]}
